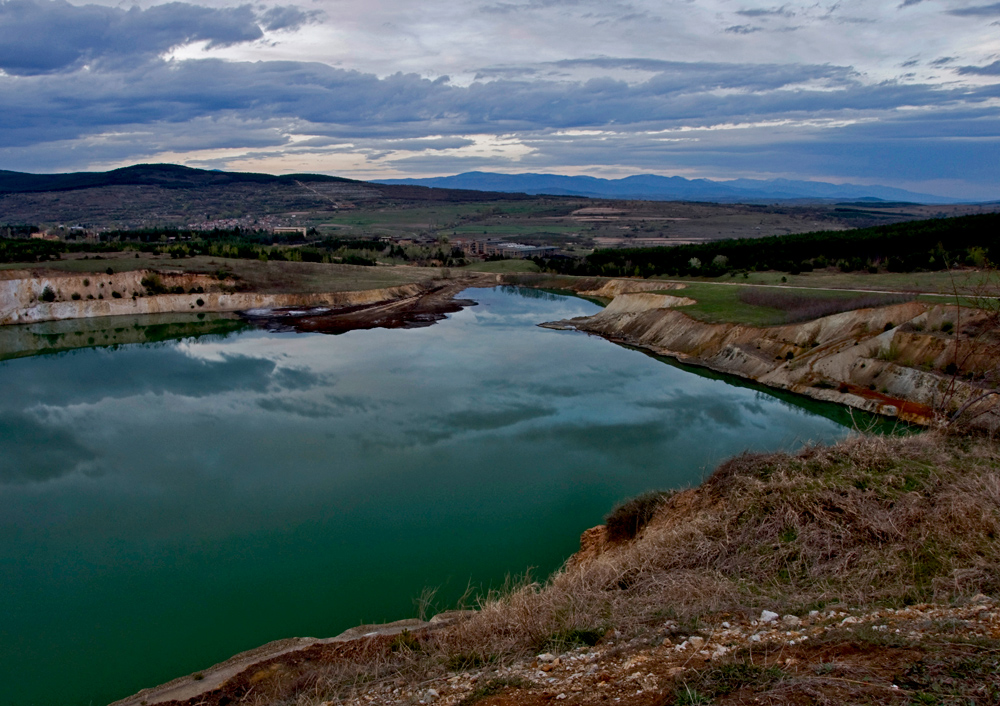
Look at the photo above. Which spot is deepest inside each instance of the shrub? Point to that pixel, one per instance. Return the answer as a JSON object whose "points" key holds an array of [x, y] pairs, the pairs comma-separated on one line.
{"points": [[494, 687], [577, 637], [116, 295], [405, 641], [627, 520], [48, 295], [727, 678], [75, 296], [465, 661], [153, 284], [890, 354], [110, 271]]}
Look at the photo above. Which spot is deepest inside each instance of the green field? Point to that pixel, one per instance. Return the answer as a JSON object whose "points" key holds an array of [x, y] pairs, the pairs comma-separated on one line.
{"points": [[964, 281], [500, 230], [719, 304], [719, 301]]}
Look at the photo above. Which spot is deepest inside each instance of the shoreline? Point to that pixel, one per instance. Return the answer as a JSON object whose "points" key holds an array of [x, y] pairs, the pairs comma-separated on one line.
{"points": [[890, 360]]}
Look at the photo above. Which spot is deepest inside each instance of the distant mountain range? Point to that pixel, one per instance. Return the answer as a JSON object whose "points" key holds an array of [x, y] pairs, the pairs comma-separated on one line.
{"points": [[650, 187], [175, 176], [473, 186], [171, 176]]}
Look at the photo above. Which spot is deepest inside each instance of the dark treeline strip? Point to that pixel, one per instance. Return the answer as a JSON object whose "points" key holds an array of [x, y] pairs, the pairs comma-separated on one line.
{"points": [[17, 231], [934, 244], [14, 250], [232, 243]]}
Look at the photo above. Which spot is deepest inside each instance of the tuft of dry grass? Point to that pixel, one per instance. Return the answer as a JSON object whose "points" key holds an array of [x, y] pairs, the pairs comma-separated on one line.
{"points": [[629, 518]]}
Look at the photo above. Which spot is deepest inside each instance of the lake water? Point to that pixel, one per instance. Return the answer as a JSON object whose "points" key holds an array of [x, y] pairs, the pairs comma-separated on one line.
{"points": [[167, 505]]}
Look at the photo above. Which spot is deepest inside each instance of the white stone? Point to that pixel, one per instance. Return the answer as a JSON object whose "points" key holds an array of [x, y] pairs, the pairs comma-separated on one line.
{"points": [[697, 642], [546, 657], [791, 621], [768, 617]]}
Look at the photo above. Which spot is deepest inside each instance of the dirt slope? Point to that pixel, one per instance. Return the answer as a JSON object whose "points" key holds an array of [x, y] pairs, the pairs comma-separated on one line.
{"points": [[892, 360]]}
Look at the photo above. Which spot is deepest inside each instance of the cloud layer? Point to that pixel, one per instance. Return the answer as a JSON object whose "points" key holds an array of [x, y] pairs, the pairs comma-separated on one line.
{"points": [[709, 88]]}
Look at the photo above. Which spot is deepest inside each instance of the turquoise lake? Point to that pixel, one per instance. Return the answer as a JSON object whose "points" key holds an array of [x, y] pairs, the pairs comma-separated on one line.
{"points": [[167, 505]]}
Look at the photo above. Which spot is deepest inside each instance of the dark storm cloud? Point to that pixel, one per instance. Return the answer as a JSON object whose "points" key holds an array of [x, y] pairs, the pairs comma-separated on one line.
{"points": [[977, 11], [130, 103], [989, 70], [287, 18], [767, 12], [339, 103], [65, 36], [310, 409]]}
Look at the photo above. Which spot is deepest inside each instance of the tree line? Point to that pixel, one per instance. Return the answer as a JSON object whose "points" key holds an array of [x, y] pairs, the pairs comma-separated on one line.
{"points": [[927, 245]]}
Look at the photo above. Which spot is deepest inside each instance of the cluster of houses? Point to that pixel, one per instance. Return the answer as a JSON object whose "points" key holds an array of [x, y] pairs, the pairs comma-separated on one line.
{"points": [[479, 247], [496, 247]]}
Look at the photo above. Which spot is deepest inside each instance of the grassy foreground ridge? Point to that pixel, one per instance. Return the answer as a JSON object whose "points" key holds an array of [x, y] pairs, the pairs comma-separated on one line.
{"points": [[852, 543]]}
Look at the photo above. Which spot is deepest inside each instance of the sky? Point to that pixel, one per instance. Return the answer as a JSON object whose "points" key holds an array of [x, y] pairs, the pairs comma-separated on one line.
{"points": [[903, 93]]}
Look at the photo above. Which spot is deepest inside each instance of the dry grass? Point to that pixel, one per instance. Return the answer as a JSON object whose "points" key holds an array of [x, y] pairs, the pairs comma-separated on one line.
{"points": [[870, 521]]}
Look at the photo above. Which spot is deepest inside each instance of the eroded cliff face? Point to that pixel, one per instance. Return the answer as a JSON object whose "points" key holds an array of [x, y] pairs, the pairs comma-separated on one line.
{"points": [[22, 296], [891, 360]]}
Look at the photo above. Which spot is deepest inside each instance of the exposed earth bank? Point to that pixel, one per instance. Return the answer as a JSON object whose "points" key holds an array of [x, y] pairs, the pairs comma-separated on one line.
{"points": [[914, 361], [27, 297], [38, 297]]}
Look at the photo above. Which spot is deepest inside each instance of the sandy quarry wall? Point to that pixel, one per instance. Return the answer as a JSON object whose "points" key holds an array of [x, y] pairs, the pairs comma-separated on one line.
{"points": [[887, 360], [616, 287], [639, 303], [20, 298]]}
